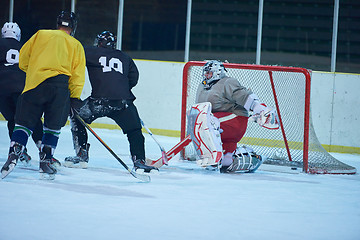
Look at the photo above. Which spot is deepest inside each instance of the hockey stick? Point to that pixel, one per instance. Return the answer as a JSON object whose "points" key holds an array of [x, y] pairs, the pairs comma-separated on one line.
{"points": [[141, 177], [163, 152], [171, 153]]}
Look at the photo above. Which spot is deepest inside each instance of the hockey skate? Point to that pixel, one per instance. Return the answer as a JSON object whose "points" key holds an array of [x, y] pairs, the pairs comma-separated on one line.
{"points": [[47, 170], [13, 157], [140, 166], [56, 163], [25, 158], [244, 161], [80, 160]]}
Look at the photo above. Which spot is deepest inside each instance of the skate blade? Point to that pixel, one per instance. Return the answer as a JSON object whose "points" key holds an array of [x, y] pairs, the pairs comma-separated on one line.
{"points": [[56, 165], [4, 172], [47, 176], [82, 165], [212, 168], [26, 164], [152, 172], [70, 165]]}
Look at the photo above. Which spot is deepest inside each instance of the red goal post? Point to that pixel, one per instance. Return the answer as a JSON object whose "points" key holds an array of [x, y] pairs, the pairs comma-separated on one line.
{"points": [[288, 90]]}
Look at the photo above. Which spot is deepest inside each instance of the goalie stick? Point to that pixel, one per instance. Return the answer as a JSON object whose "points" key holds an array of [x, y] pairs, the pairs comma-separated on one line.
{"points": [[171, 153], [141, 177], [163, 152]]}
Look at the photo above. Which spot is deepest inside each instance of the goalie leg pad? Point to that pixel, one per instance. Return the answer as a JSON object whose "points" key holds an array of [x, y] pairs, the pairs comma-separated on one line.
{"points": [[244, 161], [204, 130]]}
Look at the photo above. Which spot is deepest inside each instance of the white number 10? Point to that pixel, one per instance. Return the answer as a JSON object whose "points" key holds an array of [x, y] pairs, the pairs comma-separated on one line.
{"points": [[114, 63]]}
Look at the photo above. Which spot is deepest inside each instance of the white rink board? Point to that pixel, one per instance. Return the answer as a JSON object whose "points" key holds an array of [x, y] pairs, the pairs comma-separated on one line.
{"points": [[334, 101]]}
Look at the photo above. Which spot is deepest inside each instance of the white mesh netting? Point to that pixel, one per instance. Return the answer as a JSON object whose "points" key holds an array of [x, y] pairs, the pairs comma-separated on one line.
{"points": [[292, 89]]}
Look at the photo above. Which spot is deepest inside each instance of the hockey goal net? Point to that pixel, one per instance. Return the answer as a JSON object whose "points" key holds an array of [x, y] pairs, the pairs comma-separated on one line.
{"points": [[288, 90]]}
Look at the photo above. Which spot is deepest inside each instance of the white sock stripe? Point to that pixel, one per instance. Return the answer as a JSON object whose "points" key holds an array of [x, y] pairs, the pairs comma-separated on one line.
{"points": [[227, 118], [24, 129], [52, 131]]}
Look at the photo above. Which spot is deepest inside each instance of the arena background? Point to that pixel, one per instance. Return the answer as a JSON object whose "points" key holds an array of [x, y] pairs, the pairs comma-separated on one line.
{"points": [[294, 33]]}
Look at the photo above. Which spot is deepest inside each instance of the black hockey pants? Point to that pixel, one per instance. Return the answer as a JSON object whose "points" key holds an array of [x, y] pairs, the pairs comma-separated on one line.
{"points": [[124, 114], [51, 98], [8, 109]]}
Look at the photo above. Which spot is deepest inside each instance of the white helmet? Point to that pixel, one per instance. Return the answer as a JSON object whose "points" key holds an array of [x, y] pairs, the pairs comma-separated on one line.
{"points": [[212, 71], [11, 30]]}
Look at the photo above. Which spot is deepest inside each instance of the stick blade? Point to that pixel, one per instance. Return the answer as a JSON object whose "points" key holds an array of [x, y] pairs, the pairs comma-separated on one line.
{"points": [[141, 177]]}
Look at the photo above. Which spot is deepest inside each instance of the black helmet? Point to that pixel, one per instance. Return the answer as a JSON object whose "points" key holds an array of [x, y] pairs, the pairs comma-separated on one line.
{"points": [[105, 39], [67, 19]]}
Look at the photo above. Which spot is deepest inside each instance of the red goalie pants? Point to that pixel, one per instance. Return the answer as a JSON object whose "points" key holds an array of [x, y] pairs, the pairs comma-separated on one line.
{"points": [[234, 128]]}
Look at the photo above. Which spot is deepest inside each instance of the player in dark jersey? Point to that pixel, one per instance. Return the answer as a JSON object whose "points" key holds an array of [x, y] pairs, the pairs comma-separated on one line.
{"points": [[12, 81], [112, 75]]}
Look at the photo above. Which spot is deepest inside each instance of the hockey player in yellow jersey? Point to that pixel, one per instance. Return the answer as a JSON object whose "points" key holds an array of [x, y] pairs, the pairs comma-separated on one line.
{"points": [[54, 63], [43, 57]]}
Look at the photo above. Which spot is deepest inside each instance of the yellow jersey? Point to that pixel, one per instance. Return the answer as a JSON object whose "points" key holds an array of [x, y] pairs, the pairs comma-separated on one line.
{"points": [[49, 53]]}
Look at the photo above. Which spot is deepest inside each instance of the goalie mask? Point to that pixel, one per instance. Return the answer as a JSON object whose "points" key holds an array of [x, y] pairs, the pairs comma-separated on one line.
{"points": [[105, 39], [11, 30], [68, 20], [213, 71]]}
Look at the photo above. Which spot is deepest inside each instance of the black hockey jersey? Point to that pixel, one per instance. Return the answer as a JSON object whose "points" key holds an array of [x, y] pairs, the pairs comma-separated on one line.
{"points": [[12, 79], [112, 73]]}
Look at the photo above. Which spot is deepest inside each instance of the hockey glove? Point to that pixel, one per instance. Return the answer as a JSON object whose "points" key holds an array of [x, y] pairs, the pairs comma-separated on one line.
{"points": [[265, 116], [75, 104]]}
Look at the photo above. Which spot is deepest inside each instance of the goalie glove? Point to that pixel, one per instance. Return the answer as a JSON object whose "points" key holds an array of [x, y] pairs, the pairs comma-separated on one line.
{"points": [[265, 116]]}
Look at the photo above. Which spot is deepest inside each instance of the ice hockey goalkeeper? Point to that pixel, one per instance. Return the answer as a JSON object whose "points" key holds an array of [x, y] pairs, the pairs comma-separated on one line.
{"points": [[224, 100]]}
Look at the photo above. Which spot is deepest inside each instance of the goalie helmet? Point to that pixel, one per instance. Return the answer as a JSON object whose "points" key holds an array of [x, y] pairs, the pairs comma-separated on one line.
{"points": [[11, 30], [105, 39], [213, 71], [68, 20]]}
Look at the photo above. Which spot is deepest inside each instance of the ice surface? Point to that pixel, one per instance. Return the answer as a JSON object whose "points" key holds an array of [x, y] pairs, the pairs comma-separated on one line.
{"points": [[181, 202]]}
